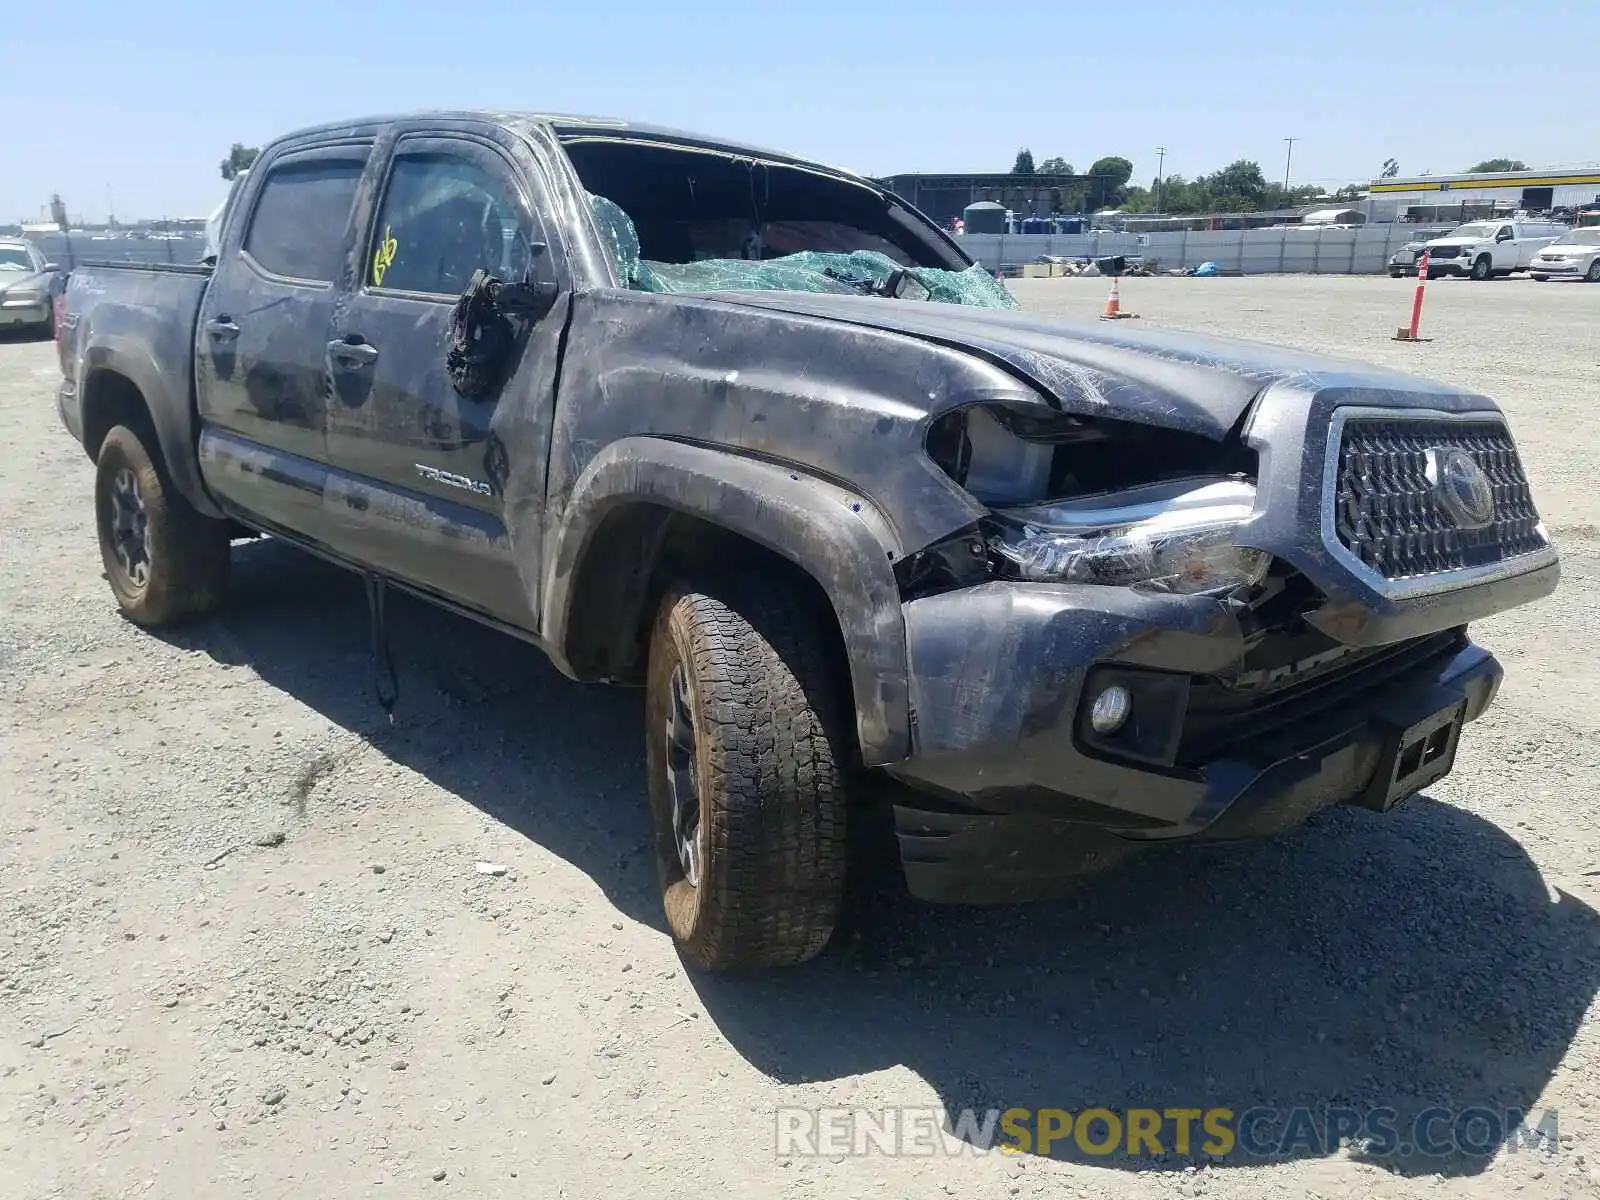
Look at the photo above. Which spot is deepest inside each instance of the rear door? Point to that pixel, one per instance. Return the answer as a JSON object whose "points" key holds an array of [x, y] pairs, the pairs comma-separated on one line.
{"points": [[263, 327], [419, 488]]}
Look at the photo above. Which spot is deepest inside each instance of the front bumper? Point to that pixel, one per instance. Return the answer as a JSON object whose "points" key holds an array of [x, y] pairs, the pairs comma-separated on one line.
{"points": [[1565, 267], [1449, 266], [1009, 798]]}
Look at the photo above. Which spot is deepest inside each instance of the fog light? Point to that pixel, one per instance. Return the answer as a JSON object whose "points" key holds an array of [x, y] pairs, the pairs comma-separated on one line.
{"points": [[1111, 710]]}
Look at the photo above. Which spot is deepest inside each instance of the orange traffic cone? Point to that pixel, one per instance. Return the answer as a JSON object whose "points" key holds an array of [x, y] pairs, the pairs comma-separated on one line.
{"points": [[1113, 310]]}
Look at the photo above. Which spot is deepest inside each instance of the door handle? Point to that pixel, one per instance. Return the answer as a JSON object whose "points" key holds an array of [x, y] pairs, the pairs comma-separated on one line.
{"points": [[222, 329], [352, 354]]}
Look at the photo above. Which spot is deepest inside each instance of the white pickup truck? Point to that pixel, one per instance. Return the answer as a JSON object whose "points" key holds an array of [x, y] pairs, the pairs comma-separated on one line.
{"points": [[1484, 249]]}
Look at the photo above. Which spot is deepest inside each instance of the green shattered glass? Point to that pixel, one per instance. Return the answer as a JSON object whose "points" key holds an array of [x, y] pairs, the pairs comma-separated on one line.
{"points": [[845, 274]]}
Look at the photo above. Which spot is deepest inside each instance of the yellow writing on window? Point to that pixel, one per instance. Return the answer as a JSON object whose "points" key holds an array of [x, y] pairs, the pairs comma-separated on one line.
{"points": [[383, 256]]}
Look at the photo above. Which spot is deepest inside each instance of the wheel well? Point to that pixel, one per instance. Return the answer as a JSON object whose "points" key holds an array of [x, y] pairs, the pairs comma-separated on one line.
{"points": [[109, 400], [636, 554]]}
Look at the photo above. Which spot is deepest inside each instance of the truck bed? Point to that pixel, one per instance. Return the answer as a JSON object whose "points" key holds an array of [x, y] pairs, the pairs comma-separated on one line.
{"points": [[139, 319], [128, 264]]}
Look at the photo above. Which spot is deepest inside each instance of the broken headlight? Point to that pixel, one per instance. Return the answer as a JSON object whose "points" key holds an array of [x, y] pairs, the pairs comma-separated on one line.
{"points": [[1176, 536]]}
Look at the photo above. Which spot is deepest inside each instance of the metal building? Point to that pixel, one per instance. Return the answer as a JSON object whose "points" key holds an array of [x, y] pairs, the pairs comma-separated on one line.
{"points": [[1467, 196]]}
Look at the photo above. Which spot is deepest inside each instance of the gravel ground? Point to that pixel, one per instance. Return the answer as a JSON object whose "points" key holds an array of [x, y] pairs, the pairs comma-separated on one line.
{"points": [[247, 950]]}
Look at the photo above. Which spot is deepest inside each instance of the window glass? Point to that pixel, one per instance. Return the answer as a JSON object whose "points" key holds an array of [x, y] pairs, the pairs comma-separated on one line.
{"points": [[300, 218], [443, 217]]}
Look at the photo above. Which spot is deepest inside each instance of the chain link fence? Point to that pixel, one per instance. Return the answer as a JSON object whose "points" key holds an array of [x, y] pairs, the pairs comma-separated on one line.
{"points": [[151, 242]]}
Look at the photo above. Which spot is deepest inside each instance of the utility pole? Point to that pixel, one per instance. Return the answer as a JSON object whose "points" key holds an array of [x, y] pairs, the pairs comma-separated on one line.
{"points": [[1287, 159], [1161, 158]]}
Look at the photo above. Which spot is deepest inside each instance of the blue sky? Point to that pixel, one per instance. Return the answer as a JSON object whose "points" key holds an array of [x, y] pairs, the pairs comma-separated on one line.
{"points": [[146, 95]]}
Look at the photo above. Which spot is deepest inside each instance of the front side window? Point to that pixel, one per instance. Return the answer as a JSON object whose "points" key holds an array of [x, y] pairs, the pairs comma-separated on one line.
{"points": [[299, 224], [444, 217]]}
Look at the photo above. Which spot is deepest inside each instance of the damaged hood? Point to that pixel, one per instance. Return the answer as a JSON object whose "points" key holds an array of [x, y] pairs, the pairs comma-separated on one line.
{"points": [[1186, 381]]}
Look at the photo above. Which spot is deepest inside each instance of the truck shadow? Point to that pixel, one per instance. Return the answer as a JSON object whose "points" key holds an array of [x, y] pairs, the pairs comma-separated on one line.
{"points": [[1397, 963]]}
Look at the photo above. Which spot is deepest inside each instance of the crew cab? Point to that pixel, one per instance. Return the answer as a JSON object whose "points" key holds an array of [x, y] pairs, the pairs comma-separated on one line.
{"points": [[1484, 249], [755, 435]]}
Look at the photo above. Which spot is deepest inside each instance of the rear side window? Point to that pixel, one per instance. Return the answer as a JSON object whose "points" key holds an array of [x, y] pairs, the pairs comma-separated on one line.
{"points": [[300, 218]]}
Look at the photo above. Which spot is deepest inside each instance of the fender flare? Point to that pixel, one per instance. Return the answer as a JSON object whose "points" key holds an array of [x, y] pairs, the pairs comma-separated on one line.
{"points": [[169, 414], [832, 533]]}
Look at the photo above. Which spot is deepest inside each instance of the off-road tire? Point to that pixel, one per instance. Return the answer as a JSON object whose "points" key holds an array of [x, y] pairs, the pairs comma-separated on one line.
{"points": [[187, 573], [771, 760], [1483, 268]]}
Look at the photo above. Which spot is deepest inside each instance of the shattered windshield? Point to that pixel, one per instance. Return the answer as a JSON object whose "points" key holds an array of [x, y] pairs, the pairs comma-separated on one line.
{"points": [[763, 266]]}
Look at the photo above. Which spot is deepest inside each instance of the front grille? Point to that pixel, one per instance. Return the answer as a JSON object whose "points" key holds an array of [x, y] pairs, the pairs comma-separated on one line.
{"points": [[1386, 513], [1225, 721]]}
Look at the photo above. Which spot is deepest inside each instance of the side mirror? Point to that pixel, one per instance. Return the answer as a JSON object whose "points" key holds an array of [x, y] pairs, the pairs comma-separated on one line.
{"points": [[903, 285], [52, 266]]}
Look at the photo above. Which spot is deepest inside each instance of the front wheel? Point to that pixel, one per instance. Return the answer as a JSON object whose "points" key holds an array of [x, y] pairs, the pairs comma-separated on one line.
{"points": [[167, 563], [1483, 268], [1592, 275], [746, 759]]}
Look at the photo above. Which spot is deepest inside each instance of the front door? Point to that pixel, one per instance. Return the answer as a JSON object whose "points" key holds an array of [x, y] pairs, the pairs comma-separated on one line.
{"points": [[419, 485], [262, 329]]}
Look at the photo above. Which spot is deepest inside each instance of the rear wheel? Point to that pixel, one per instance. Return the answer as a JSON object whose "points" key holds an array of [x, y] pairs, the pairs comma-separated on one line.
{"points": [[746, 759], [166, 562], [1483, 268], [1538, 278]]}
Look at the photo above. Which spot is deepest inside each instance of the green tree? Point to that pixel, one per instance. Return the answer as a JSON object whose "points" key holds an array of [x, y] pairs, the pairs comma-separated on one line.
{"points": [[1108, 177], [239, 159], [1499, 164], [1238, 186], [1136, 199], [1024, 163], [1056, 166]]}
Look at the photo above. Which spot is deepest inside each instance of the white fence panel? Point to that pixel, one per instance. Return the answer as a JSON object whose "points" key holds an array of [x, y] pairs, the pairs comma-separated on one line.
{"points": [[1364, 250]]}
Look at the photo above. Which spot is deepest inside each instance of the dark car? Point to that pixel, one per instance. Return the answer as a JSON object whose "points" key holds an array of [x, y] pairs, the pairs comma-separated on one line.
{"points": [[1403, 262], [756, 435]]}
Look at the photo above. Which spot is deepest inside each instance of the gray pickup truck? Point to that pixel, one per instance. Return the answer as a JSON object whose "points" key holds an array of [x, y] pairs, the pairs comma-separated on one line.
{"points": [[754, 434]]}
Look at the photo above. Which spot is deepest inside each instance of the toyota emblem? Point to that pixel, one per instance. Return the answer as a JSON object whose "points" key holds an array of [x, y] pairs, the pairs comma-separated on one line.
{"points": [[1460, 486]]}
